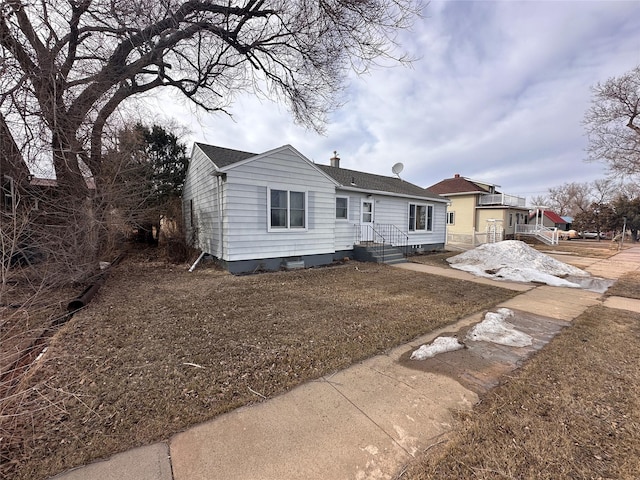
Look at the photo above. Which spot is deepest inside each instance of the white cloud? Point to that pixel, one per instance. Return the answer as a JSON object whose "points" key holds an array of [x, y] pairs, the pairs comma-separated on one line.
{"points": [[498, 94]]}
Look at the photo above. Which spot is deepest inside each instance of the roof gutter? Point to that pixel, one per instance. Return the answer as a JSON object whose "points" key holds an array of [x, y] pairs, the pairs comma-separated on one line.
{"points": [[392, 194]]}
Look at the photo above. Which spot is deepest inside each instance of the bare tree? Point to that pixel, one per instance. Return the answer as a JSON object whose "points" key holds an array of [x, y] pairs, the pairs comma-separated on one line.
{"points": [[569, 198], [613, 124], [539, 200], [575, 197], [603, 190], [68, 65]]}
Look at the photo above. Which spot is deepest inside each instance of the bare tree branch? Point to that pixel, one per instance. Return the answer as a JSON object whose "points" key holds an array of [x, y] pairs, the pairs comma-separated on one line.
{"points": [[69, 65], [612, 124]]}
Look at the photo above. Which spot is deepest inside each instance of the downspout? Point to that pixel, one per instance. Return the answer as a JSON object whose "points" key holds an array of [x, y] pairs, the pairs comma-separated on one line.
{"points": [[220, 235], [476, 226]]}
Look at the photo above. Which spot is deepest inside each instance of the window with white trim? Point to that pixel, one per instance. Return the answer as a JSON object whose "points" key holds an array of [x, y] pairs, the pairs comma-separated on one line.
{"points": [[7, 202], [420, 217], [342, 208], [451, 218], [287, 209]]}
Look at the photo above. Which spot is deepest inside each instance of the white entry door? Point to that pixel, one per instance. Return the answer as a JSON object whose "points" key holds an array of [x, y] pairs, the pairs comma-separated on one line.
{"points": [[366, 220]]}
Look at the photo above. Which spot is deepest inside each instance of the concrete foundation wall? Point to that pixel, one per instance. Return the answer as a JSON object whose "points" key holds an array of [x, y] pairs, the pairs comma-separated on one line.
{"points": [[282, 263]]}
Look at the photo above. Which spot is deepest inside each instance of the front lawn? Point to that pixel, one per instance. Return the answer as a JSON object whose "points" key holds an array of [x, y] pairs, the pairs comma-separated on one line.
{"points": [[160, 349]]}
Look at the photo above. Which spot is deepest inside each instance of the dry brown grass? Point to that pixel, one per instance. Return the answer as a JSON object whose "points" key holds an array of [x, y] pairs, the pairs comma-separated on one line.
{"points": [[437, 259], [161, 349], [581, 248], [572, 411], [627, 286]]}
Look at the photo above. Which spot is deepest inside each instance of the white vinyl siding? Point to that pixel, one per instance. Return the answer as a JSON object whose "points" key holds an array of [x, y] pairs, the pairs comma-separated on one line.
{"points": [[345, 229], [395, 211], [389, 210], [200, 204], [247, 219]]}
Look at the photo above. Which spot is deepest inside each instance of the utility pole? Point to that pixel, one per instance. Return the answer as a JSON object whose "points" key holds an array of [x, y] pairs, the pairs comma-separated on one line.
{"points": [[624, 230]]}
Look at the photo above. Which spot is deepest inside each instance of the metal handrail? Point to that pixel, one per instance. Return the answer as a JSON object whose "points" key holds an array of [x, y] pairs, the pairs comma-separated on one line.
{"points": [[381, 235]]}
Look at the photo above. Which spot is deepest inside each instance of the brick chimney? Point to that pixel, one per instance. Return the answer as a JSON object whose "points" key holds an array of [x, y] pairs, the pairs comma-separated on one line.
{"points": [[457, 175], [335, 160]]}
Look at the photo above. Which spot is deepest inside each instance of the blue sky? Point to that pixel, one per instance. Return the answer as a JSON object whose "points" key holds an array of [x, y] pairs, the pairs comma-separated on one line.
{"points": [[498, 94]]}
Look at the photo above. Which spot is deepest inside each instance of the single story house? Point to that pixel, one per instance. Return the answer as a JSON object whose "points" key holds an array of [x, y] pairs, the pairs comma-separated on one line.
{"points": [[275, 209], [549, 219]]}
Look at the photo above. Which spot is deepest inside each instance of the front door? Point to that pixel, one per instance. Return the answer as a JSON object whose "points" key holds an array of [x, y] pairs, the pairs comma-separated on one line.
{"points": [[366, 221]]}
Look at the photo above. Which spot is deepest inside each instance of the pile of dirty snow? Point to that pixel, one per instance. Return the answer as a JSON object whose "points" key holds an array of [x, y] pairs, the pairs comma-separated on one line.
{"points": [[516, 261], [495, 328], [439, 345]]}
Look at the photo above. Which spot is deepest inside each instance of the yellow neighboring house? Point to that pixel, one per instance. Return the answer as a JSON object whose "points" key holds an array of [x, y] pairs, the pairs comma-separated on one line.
{"points": [[478, 212]]}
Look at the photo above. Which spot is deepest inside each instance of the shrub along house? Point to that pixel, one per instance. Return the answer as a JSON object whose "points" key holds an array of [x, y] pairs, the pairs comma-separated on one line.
{"points": [[278, 209]]}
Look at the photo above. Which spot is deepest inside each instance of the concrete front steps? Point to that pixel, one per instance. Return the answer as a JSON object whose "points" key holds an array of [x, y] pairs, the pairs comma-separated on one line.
{"points": [[379, 254]]}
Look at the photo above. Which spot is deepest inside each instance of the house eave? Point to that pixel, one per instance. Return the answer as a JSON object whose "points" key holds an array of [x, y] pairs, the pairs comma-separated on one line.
{"points": [[392, 194], [460, 194], [271, 152], [501, 207]]}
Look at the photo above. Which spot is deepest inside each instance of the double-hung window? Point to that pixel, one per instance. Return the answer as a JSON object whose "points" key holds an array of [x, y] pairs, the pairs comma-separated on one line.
{"points": [[287, 209], [420, 217], [451, 218], [342, 208], [7, 202]]}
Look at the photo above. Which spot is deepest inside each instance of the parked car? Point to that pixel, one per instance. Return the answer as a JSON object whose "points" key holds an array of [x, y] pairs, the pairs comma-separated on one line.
{"points": [[567, 234], [592, 235]]}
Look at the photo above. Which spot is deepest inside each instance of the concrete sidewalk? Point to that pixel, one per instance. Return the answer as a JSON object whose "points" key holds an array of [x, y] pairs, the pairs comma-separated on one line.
{"points": [[364, 422]]}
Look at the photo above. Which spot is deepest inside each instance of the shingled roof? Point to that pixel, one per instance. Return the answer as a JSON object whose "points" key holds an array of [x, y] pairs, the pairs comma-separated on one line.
{"points": [[223, 157], [454, 185], [371, 182], [553, 216]]}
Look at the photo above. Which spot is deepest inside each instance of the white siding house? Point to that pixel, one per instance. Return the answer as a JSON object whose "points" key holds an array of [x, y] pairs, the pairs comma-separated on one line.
{"points": [[264, 211]]}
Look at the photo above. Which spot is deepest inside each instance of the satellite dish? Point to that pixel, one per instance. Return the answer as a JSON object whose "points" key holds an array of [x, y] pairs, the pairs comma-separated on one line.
{"points": [[397, 168]]}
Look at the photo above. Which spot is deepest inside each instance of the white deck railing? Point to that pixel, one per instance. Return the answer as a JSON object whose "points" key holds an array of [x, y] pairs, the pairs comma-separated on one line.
{"points": [[502, 199], [475, 238], [548, 235]]}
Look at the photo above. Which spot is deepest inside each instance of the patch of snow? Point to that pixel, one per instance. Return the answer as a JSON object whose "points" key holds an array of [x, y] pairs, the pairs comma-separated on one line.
{"points": [[439, 345], [516, 261], [494, 328], [41, 354]]}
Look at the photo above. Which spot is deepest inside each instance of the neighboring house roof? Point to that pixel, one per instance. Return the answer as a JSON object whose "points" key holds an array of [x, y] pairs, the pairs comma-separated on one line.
{"points": [[225, 157], [553, 216], [52, 182], [456, 185], [371, 182], [567, 219], [43, 182]]}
